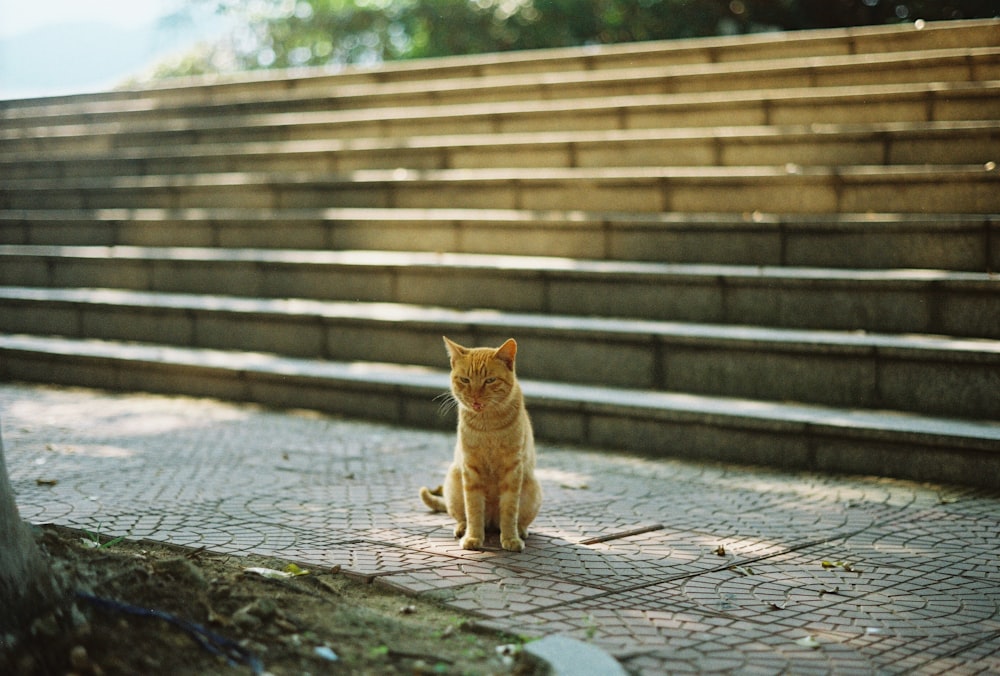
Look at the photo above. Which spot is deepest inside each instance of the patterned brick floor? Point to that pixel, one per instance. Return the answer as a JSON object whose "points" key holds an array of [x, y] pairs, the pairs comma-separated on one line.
{"points": [[670, 566]]}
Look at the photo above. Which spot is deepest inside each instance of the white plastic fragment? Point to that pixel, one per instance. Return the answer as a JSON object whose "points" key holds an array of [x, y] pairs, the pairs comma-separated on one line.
{"points": [[808, 642], [508, 653], [326, 653], [270, 573]]}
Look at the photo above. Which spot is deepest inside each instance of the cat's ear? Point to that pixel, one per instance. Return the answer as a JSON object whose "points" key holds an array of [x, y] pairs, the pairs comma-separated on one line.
{"points": [[506, 352], [455, 351]]}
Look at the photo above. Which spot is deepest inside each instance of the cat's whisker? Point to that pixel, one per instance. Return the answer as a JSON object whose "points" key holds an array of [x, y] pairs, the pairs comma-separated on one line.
{"points": [[448, 403]]}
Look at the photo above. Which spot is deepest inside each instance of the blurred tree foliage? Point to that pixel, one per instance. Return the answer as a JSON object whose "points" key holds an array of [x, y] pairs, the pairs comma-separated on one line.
{"points": [[297, 33]]}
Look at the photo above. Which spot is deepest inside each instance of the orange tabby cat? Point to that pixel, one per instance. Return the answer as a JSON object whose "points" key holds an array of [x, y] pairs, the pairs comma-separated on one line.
{"points": [[491, 483]]}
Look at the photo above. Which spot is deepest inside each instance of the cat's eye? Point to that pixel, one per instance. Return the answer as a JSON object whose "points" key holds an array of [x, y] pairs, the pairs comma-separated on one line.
{"points": [[465, 381], [490, 380]]}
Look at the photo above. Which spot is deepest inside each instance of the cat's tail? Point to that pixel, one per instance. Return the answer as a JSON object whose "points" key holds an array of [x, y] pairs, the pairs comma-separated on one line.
{"points": [[433, 498]]}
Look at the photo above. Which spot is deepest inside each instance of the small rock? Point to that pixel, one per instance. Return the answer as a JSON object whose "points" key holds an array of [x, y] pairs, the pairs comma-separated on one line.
{"points": [[81, 625], [79, 659], [567, 656], [47, 626], [254, 646], [244, 619], [294, 640], [264, 608], [254, 614], [181, 570], [217, 619], [285, 626]]}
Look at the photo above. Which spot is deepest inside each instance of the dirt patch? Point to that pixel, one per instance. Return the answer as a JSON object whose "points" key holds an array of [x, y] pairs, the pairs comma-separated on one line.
{"points": [[319, 622]]}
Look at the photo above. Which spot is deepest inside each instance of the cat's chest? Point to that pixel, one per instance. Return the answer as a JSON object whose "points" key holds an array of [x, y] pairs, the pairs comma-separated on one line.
{"points": [[491, 453]]}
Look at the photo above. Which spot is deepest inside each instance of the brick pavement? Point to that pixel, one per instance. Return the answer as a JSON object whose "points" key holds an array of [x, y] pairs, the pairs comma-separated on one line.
{"points": [[670, 566]]}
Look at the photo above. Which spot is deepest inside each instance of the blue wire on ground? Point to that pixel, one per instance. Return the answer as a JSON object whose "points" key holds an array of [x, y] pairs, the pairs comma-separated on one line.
{"points": [[207, 639]]}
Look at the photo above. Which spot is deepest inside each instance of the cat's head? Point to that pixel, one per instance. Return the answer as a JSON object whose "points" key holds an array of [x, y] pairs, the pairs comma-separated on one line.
{"points": [[481, 377]]}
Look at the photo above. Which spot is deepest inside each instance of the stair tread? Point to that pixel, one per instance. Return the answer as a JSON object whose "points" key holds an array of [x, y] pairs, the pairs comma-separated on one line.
{"points": [[670, 77], [527, 264], [526, 216], [791, 188], [876, 133], [794, 172], [861, 94], [865, 422], [954, 241], [853, 40], [455, 319]]}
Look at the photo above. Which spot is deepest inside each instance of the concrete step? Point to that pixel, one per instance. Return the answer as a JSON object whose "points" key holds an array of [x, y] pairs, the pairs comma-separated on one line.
{"points": [[871, 40], [963, 142], [924, 374], [886, 301], [817, 438], [861, 104], [946, 65], [966, 242], [787, 189]]}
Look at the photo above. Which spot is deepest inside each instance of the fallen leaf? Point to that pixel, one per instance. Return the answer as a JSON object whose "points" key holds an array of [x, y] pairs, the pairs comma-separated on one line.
{"points": [[295, 570], [720, 551], [741, 570], [46, 482]]}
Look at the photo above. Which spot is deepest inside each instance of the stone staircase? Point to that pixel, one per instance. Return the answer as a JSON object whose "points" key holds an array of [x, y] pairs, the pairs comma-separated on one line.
{"points": [[773, 249]]}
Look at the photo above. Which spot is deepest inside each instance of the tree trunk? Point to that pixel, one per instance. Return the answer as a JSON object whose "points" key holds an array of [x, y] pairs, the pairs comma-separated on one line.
{"points": [[27, 585]]}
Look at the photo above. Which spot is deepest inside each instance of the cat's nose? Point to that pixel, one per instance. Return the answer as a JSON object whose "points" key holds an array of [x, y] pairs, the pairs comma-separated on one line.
{"points": [[477, 405]]}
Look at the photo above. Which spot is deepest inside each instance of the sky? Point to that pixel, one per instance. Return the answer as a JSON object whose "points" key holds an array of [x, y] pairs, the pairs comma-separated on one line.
{"points": [[51, 47], [19, 16]]}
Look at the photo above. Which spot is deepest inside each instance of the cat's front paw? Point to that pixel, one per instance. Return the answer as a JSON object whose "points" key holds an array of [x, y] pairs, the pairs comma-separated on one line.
{"points": [[470, 542], [512, 544], [459, 530]]}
